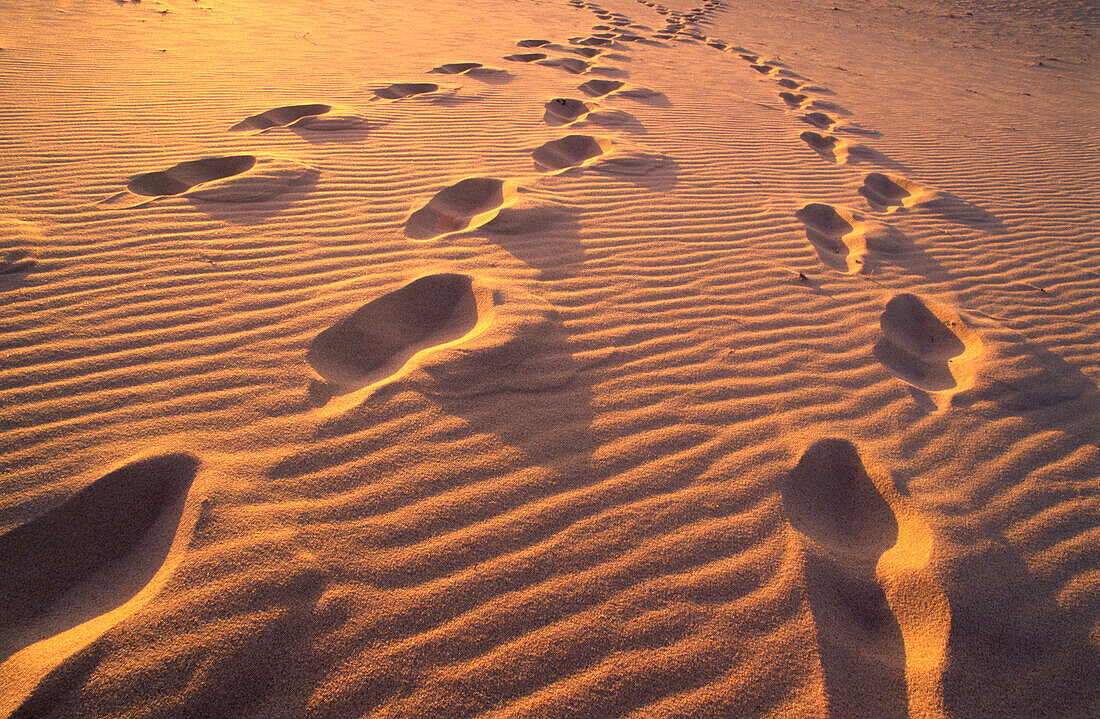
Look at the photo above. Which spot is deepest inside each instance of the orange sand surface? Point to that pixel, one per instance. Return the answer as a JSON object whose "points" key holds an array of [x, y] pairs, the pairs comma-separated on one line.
{"points": [[549, 358]]}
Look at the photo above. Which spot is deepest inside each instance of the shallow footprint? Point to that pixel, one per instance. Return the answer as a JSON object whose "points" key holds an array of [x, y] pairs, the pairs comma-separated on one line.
{"points": [[830, 499], [569, 64], [570, 151], [532, 43], [401, 90], [462, 206], [836, 235], [820, 120], [882, 619], [927, 345]]}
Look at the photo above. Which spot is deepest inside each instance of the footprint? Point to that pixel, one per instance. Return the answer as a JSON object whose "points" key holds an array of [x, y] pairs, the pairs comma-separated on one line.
{"points": [[763, 68], [589, 52], [14, 262], [280, 117], [927, 345], [455, 68], [526, 57], [830, 500], [97, 526], [836, 235], [882, 620], [891, 192], [565, 110], [462, 206], [19, 241], [402, 90], [569, 64], [599, 88], [456, 335], [315, 117], [794, 100], [592, 41], [383, 334], [532, 43], [570, 151], [820, 120], [234, 178], [829, 147], [791, 84]]}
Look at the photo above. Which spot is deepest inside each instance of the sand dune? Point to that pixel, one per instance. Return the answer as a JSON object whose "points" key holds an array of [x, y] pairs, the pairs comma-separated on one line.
{"points": [[559, 358]]}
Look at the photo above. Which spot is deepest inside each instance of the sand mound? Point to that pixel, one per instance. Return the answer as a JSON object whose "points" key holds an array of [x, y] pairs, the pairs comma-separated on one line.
{"points": [[570, 151], [467, 204], [99, 524]]}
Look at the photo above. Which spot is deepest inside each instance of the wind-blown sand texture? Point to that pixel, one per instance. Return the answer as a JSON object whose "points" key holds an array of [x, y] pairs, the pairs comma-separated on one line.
{"points": [[549, 359]]}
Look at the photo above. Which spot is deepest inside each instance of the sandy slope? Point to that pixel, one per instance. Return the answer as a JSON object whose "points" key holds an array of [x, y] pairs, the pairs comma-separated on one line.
{"points": [[549, 359]]}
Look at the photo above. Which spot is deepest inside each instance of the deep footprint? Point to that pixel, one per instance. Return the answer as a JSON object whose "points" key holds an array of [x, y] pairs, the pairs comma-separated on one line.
{"points": [[455, 68], [570, 151], [830, 499], [834, 232], [100, 524], [465, 205], [929, 349], [280, 117], [182, 177], [384, 333], [564, 110], [827, 146]]}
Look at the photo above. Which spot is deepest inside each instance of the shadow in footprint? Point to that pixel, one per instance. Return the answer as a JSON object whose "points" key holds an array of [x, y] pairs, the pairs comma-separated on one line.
{"points": [[540, 234], [100, 525], [376, 340], [1010, 637], [846, 526], [651, 170], [570, 151], [927, 346], [465, 205]]}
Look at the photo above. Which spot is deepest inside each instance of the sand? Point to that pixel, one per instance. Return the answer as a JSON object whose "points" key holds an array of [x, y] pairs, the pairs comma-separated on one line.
{"points": [[549, 359]]}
